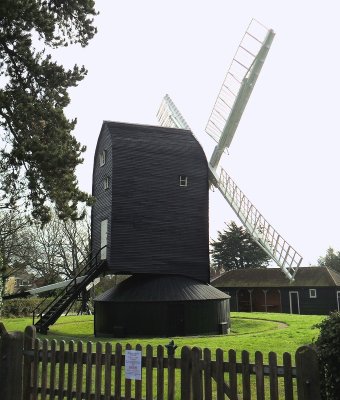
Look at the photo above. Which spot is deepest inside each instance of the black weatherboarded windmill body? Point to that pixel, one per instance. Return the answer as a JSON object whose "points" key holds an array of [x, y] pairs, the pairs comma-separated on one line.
{"points": [[151, 213], [151, 190]]}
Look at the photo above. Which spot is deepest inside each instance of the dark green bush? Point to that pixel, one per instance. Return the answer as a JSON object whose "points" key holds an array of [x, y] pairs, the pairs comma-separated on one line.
{"points": [[20, 307], [328, 348]]}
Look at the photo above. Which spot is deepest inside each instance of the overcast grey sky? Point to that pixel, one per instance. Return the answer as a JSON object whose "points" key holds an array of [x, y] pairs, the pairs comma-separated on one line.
{"points": [[285, 154]]}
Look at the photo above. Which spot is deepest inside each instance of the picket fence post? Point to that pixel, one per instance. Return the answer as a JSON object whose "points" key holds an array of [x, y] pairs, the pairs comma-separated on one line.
{"points": [[11, 345], [29, 339], [307, 374], [171, 348], [186, 373]]}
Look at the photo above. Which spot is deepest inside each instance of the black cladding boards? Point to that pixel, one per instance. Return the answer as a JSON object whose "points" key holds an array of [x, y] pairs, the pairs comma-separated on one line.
{"points": [[103, 204], [156, 225]]}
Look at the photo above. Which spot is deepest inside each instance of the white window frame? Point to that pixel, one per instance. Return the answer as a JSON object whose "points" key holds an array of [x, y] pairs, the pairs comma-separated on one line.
{"points": [[103, 238], [106, 183], [312, 294], [290, 300], [183, 181], [102, 158]]}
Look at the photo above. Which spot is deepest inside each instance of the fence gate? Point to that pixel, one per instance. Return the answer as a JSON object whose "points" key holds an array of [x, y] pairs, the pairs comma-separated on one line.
{"points": [[221, 379]]}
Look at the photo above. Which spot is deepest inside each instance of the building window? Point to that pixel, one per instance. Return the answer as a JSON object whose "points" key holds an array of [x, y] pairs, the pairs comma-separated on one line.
{"points": [[102, 158], [312, 293], [106, 183], [103, 239], [183, 180]]}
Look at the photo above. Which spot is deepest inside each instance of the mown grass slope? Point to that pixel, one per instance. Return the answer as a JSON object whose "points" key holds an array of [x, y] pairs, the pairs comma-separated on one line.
{"points": [[256, 331]]}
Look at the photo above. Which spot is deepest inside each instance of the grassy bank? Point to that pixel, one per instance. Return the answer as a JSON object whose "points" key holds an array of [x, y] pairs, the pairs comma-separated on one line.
{"points": [[256, 331]]}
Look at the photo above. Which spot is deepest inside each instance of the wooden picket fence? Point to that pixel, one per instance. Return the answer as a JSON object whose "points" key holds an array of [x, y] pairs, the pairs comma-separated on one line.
{"points": [[31, 368]]}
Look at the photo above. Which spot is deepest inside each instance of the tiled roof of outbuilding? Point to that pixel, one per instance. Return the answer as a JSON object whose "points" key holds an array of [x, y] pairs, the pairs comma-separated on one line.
{"points": [[274, 277]]}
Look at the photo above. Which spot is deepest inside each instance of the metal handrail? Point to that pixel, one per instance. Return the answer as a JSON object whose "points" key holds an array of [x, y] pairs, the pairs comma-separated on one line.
{"points": [[66, 289]]}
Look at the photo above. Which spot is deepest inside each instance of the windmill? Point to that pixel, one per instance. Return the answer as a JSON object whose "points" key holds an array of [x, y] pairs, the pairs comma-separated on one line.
{"points": [[221, 127], [150, 218]]}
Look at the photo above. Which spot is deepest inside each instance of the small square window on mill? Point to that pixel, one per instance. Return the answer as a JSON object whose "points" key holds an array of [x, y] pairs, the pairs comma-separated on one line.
{"points": [[106, 183], [183, 180], [102, 158]]}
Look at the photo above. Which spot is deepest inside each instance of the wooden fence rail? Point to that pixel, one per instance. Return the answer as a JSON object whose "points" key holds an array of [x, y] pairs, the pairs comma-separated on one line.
{"points": [[32, 369]]}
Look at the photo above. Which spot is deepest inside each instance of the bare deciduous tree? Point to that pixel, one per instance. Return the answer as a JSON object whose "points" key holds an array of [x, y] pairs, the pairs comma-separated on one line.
{"points": [[58, 249]]}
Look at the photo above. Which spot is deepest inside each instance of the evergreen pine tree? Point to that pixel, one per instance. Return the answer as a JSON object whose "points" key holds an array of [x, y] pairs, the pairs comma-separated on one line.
{"points": [[39, 153], [235, 249]]}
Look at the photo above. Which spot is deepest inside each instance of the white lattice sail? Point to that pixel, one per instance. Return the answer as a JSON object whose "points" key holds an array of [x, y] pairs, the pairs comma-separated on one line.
{"points": [[230, 104], [169, 116], [238, 86], [281, 252]]}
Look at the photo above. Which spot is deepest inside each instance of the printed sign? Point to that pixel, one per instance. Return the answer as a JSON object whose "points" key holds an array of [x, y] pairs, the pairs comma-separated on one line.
{"points": [[133, 364]]}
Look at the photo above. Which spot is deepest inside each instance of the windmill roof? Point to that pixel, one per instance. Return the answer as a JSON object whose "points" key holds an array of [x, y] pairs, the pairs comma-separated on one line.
{"points": [[274, 277], [130, 128], [156, 288], [114, 125]]}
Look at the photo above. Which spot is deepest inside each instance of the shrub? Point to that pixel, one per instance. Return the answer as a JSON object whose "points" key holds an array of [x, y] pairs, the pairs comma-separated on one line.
{"points": [[19, 307], [24, 307], [328, 348]]}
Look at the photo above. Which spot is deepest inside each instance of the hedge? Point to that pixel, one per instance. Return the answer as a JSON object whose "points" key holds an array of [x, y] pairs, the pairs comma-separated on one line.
{"points": [[328, 348], [24, 307]]}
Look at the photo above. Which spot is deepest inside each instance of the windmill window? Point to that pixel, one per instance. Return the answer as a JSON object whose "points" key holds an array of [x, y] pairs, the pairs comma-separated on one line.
{"points": [[183, 180], [102, 158], [106, 183], [312, 293]]}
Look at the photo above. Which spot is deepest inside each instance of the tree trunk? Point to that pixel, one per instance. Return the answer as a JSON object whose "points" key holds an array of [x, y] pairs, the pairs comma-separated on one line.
{"points": [[1, 291]]}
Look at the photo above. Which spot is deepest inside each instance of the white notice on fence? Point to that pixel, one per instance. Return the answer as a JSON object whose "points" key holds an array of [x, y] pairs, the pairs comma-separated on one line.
{"points": [[133, 364]]}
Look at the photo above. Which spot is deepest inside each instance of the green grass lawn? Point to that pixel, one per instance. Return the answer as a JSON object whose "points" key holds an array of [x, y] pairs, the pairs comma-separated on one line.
{"points": [[250, 331]]}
